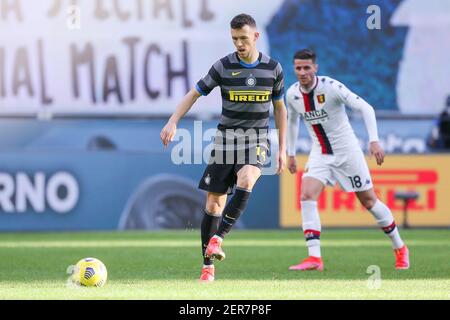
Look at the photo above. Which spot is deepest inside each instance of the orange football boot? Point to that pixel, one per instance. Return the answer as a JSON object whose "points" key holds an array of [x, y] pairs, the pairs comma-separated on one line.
{"points": [[402, 258], [214, 250], [310, 263], [207, 273]]}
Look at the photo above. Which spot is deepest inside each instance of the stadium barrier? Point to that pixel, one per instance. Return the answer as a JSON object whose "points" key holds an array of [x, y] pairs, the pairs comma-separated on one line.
{"points": [[428, 175], [106, 174]]}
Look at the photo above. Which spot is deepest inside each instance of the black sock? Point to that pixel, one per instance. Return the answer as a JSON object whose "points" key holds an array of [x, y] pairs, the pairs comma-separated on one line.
{"points": [[233, 210], [209, 227]]}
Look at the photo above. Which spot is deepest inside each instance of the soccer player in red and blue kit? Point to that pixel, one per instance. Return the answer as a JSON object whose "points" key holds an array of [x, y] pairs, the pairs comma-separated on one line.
{"points": [[335, 155]]}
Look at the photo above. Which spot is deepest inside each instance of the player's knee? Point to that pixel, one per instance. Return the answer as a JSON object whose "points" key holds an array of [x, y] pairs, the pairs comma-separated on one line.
{"points": [[307, 196], [368, 203], [246, 181], [214, 206]]}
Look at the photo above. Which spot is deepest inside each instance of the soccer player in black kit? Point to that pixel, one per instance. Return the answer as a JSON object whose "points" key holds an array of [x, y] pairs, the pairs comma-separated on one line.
{"points": [[250, 82]]}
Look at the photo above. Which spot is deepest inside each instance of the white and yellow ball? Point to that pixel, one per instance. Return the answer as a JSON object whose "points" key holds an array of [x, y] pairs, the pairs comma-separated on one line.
{"points": [[90, 272]]}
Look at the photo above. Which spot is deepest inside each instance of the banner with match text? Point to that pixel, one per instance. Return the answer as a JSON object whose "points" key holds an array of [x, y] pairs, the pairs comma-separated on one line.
{"points": [[140, 57]]}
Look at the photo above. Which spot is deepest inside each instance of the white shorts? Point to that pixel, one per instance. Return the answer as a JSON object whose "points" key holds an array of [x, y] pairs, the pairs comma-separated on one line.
{"points": [[349, 170]]}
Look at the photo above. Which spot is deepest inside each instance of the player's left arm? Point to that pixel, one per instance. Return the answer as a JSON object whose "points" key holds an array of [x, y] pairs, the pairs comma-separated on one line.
{"points": [[280, 115], [355, 102]]}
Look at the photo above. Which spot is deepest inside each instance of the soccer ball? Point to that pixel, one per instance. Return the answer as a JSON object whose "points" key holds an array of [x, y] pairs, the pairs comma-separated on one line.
{"points": [[90, 272]]}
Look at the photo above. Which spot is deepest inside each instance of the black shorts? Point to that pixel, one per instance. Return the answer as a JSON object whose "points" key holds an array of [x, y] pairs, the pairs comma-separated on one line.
{"points": [[221, 176]]}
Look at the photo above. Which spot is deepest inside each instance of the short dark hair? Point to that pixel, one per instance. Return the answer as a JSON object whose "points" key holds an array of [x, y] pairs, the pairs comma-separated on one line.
{"points": [[241, 20], [305, 54]]}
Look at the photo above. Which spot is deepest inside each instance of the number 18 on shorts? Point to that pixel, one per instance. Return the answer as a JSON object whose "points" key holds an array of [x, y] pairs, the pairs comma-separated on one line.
{"points": [[349, 170]]}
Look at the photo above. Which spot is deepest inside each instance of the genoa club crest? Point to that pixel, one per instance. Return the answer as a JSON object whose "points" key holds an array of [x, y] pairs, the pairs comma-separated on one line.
{"points": [[321, 98]]}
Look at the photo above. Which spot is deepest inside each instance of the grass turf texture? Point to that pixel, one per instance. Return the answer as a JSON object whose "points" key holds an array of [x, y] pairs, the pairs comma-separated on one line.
{"points": [[166, 265]]}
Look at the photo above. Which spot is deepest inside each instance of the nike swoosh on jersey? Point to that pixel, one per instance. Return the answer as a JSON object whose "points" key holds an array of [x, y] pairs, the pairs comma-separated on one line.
{"points": [[236, 73]]}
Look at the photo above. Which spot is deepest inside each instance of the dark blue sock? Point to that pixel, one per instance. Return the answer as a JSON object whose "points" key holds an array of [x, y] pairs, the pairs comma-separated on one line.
{"points": [[233, 210], [209, 227]]}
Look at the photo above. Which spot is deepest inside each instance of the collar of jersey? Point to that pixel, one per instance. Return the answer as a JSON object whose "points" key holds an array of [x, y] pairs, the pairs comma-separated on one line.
{"points": [[249, 65], [312, 89]]}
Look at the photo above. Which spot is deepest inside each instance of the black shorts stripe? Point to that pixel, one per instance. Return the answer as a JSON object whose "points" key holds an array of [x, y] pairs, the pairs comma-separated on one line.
{"points": [[322, 132], [245, 115], [241, 82], [204, 87]]}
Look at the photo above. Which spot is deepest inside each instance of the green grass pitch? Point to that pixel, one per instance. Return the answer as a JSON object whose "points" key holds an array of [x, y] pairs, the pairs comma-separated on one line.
{"points": [[166, 265]]}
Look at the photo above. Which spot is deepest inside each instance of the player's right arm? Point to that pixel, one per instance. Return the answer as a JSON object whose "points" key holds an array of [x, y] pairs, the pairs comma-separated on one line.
{"points": [[292, 133], [169, 130], [202, 88]]}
